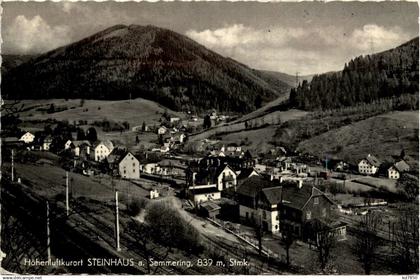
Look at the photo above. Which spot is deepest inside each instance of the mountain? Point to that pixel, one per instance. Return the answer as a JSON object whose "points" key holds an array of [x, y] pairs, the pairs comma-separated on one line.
{"points": [[286, 78], [363, 80], [10, 61], [125, 62]]}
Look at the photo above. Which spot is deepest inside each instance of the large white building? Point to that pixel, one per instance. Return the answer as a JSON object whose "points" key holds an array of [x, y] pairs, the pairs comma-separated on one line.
{"points": [[102, 149], [129, 167], [394, 172], [369, 165]]}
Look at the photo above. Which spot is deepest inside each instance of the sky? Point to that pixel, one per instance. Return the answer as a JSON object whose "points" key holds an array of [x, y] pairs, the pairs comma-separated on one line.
{"points": [[304, 37]]}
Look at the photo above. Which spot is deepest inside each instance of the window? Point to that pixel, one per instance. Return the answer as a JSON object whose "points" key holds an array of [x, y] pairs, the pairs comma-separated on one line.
{"points": [[308, 215], [247, 215], [316, 200], [134, 171], [277, 217], [134, 164], [324, 212]]}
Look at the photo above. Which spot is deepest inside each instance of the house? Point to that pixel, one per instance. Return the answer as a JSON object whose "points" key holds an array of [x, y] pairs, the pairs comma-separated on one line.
{"points": [[102, 149], [67, 145], [174, 119], [129, 166], [223, 176], [47, 143], [248, 196], [153, 169], [245, 174], [203, 193], [27, 137], [81, 148], [284, 206], [179, 137], [369, 165], [162, 130], [394, 172], [210, 209], [300, 206]]}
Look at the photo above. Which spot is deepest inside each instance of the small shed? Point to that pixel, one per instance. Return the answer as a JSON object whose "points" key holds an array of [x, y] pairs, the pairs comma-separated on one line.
{"points": [[210, 209]]}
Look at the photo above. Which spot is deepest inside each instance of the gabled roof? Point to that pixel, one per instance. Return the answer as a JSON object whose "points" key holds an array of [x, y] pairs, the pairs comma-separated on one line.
{"points": [[273, 195], [107, 143], [210, 206], [253, 185], [117, 155], [296, 197], [204, 190], [245, 173], [402, 166], [373, 160]]}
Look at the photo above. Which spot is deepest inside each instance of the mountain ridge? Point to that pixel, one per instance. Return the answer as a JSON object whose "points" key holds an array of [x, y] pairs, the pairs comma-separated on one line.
{"points": [[123, 62]]}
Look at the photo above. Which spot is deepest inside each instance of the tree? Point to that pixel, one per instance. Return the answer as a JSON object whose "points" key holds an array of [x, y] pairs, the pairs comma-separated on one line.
{"points": [[143, 126], [367, 242], [137, 140], [258, 102], [287, 239], [91, 134], [81, 134], [207, 122], [406, 235], [408, 184], [324, 243], [259, 233]]}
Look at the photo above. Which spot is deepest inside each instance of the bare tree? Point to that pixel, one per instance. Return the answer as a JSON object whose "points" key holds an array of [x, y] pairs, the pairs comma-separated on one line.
{"points": [[287, 240], [367, 242], [324, 243], [143, 234], [407, 240]]}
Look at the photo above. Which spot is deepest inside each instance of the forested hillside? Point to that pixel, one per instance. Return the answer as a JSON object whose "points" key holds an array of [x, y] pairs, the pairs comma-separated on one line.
{"points": [[363, 80], [125, 62]]}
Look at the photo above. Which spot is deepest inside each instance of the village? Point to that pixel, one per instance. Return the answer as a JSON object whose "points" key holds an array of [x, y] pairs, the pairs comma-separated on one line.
{"points": [[272, 203]]}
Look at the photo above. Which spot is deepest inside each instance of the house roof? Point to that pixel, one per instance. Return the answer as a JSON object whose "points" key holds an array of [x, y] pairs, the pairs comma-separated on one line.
{"points": [[117, 155], [402, 166], [373, 160], [210, 206], [273, 195], [253, 185], [296, 197], [245, 173], [107, 143], [204, 190]]}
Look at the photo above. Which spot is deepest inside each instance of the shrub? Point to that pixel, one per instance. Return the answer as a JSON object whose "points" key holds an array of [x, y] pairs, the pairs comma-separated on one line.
{"points": [[135, 206]]}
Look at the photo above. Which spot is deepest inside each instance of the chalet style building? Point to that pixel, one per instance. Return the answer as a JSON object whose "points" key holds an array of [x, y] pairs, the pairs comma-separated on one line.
{"points": [[369, 165], [286, 207], [258, 199], [80, 148]]}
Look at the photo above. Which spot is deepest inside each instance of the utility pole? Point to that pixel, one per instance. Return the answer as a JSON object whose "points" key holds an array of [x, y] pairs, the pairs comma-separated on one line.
{"points": [[48, 233], [67, 193], [13, 165], [117, 223]]}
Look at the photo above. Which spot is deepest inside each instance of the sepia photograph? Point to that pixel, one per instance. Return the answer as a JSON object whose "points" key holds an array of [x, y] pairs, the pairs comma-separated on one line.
{"points": [[209, 138]]}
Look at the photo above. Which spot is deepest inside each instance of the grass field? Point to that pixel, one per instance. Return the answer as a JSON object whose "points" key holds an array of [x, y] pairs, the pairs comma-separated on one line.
{"points": [[383, 136], [133, 111]]}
